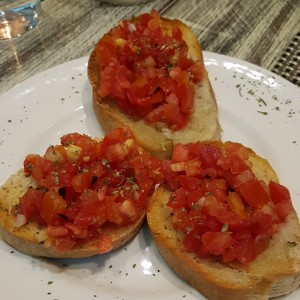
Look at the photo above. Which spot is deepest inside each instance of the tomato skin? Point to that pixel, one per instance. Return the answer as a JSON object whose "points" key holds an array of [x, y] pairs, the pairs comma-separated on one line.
{"points": [[112, 211], [237, 165], [263, 222], [176, 33], [196, 71], [187, 182], [52, 205], [33, 165], [217, 242], [245, 251], [283, 208], [193, 167], [106, 49], [180, 153], [255, 193], [81, 182], [177, 199], [84, 219], [191, 243], [92, 210], [30, 204], [235, 203], [278, 192], [186, 95], [207, 153]]}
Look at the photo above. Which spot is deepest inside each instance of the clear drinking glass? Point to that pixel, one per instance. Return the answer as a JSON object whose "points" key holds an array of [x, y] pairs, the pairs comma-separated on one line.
{"points": [[18, 17]]}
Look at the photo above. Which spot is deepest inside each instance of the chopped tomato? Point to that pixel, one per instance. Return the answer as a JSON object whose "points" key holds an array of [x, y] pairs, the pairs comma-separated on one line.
{"points": [[81, 181], [176, 33], [235, 203], [283, 208], [207, 153], [52, 205], [83, 184], [177, 200], [30, 204], [187, 182], [55, 154], [216, 243], [222, 209], [193, 167], [255, 193], [147, 71], [180, 153], [238, 165], [113, 211], [245, 251], [116, 152], [33, 165], [278, 192]]}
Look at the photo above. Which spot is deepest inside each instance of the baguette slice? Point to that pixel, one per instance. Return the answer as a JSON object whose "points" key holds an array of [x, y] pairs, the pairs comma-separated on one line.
{"points": [[275, 272], [33, 240], [203, 122]]}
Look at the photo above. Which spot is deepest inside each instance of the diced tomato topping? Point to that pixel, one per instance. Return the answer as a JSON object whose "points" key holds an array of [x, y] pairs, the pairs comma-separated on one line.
{"points": [[84, 184], [216, 243], [278, 192], [112, 211], [208, 154], [116, 152], [255, 193], [193, 167], [217, 202], [52, 205], [33, 165], [236, 205], [180, 153], [245, 251], [148, 72], [30, 204], [81, 182], [176, 33], [283, 208]]}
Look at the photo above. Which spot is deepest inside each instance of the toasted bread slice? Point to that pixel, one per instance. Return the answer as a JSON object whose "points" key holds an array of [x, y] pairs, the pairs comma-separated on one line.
{"points": [[34, 240], [203, 122], [275, 272]]}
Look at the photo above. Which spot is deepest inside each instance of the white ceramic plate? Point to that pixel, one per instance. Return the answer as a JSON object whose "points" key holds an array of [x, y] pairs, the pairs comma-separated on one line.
{"points": [[256, 108]]}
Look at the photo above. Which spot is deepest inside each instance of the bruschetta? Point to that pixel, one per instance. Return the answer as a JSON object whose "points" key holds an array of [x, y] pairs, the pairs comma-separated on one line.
{"points": [[148, 73], [81, 198], [225, 225]]}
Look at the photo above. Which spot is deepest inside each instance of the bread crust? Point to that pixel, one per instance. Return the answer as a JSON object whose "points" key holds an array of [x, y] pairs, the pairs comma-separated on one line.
{"points": [[275, 272], [203, 122], [34, 241]]}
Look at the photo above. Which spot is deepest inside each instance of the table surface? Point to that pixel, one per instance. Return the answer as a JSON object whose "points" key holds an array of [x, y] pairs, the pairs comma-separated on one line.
{"points": [[266, 33]]}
